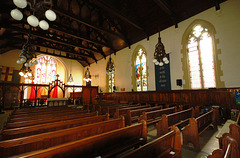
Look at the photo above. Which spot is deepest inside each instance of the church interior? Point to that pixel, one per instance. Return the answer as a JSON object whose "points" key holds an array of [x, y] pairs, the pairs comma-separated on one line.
{"points": [[120, 79]]}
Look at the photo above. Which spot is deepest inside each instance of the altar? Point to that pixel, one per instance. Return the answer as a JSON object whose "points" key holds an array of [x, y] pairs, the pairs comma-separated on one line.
{"points": [[57, 101]]}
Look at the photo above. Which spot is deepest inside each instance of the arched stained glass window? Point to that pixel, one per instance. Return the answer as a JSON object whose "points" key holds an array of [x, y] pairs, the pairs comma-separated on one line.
{"points": [[110, 71], [141, 71], [200, 56], [45, 70]]}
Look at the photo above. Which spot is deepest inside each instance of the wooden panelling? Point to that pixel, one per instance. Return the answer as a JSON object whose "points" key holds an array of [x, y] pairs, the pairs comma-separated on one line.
{"points": [[219, 97]]}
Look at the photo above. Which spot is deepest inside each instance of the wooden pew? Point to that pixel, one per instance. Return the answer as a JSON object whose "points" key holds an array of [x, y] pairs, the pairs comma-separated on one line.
{"points": [[166, 146], [37, 113], [49, 115], [230, 149], [36, 110], [123, 111], [49, 127], [48, 120], [154, 116], [46, 140], [105, 145], [112, 109], [180, 118], [134, 115], [197, 126], [238, 119]]}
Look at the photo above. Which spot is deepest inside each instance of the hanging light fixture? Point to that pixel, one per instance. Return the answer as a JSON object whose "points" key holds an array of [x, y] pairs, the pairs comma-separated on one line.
{"points": [[70, 79], [27, 73], [37, 8], [110, 67], [27, 57], [87, 76], [160, 56]]}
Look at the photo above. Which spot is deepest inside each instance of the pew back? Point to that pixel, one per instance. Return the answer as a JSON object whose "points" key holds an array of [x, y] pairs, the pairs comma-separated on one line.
{"points": [[160, 147], [104, 145], [49, 127], [154, 116], [45, 140], [48, 120]]}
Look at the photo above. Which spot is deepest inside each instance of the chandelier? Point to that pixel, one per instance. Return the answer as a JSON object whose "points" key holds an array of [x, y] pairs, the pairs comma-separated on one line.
{"points": [[87, 76], [26, 72], [27, 57], [38, 7], [160, 56], [110, 67], [70, 79]]}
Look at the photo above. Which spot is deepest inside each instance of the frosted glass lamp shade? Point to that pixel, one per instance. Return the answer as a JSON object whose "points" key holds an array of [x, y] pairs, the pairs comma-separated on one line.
{"points": [[20, 3], [23, 60], [156, 63], [26, 64], [16, 14], [165, 58], [154, 60], [166, 61], [19, 61], [50, 15], [161, 63], [43, 25], [35, 62], [33, 20]]}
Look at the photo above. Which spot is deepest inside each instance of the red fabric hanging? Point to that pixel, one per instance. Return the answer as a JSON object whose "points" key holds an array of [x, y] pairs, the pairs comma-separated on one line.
{"points": [[55, 92], [32, 94]]}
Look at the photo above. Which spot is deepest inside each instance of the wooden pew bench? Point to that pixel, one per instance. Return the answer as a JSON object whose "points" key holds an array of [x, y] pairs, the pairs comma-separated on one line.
{"points": [[106, 144], [134, 115], [197, 126], [230, 149], [48, 120], [37, 113], [166, 146], [112, 109], [49, 127], [123, 111], [36, 110], [180, 118], [49, 115], [46, 140], [152, 117]]}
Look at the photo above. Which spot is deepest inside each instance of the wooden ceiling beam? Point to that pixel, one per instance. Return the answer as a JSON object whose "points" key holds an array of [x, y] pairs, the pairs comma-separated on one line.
{"points": [[47, 53], [167, 9], [79, 37], [50, 47], [39, 35], [116, 12], [75, 18]]}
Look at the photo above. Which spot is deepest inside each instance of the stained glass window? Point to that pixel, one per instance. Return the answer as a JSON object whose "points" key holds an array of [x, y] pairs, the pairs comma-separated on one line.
{"points": [[141, 71], [45, 70], [200, 55], [110, 71]]}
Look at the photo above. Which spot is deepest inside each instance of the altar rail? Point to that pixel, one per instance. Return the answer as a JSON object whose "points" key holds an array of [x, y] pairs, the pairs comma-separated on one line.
{"points": [[220, 97]]}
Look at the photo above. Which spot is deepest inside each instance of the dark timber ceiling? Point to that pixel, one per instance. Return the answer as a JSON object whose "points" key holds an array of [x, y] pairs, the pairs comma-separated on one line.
{"points": [[89, 30]]}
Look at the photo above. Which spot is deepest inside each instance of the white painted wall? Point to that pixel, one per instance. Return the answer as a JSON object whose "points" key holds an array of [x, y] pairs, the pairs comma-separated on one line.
{"points": [[227, 26]]}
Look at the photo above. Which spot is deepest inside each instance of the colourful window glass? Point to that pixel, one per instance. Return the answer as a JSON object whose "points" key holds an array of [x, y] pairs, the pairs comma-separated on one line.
{"points": [[46, 70], [141, 71], [200, 55], [110, 71]]}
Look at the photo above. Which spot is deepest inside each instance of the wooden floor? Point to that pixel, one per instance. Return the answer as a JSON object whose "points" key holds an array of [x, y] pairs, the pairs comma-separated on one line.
{"points": [[208, 141]]}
